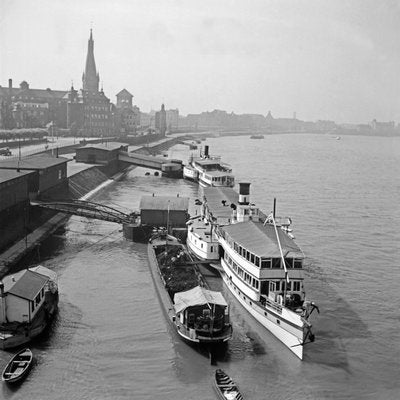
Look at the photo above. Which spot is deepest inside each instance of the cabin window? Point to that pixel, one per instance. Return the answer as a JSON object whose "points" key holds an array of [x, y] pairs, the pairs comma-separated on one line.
{"points": [[296, 286], [276, 263], [257, 261], [297, 264], [287, 284], [255, 283], [212, 249], [289, 262], [252, 258], [42, 292], [32, 306], [266, 263], [277, 286]]}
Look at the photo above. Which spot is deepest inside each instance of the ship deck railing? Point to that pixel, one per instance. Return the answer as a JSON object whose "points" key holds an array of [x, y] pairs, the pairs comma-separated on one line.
{"points": [[265, 301]]}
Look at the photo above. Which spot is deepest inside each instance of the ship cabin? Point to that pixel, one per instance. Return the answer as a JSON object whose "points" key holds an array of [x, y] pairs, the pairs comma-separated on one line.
{"points": [[251, 255], [22, 295], [217, 178], [220, 206], [202, 310]]}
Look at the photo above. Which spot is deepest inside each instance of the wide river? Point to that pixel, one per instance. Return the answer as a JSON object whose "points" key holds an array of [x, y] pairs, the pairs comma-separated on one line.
{"points": [[111, 339]]}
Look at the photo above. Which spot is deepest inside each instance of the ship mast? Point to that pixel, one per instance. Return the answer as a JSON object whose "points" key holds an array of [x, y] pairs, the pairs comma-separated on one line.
{"points": [[272, 217]]}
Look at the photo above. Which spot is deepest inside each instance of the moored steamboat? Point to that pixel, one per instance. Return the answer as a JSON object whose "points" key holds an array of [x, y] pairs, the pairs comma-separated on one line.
{"points": [[260, 263], [209, 170]]}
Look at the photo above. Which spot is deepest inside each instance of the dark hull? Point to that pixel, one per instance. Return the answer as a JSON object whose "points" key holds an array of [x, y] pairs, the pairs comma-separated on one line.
{"points": [[165, 297]]}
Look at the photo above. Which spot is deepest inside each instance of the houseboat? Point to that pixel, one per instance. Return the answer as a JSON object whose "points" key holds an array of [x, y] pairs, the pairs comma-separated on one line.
{"points": [[209, 170], [28, 300], [198, 315], [258, 260]]}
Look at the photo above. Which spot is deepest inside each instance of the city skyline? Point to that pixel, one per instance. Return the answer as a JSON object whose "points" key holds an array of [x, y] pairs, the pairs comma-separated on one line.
{"points": [[322, 60]]}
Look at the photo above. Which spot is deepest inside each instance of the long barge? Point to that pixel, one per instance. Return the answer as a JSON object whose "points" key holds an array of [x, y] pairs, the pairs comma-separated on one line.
{"points": [[197, 314]]}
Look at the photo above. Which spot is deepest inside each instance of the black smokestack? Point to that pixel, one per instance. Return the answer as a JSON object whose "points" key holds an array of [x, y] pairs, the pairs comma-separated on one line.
{"points": [[206, 151], [244, 193]]}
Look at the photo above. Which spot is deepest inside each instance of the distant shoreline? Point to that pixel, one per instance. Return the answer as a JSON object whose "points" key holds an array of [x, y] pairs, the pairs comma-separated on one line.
{"points": [[338, 132]]}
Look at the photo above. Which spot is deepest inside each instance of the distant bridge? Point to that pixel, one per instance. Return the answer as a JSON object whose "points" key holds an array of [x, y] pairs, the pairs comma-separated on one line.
{"points": [[89, 209]]}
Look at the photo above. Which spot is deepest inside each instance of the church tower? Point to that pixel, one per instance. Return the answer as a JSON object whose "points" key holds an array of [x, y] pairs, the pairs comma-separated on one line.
{"points": [[90, 77]]}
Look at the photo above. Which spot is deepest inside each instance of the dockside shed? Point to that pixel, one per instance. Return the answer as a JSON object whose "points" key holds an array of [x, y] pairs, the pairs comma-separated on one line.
{"points": [[50, 175], [161, 211], [13, 188], [101, 153]]}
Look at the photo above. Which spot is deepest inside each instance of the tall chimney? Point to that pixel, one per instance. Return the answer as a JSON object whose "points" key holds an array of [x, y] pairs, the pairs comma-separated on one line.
{"points": [[244, 193], [205, 151], [10, 87]]}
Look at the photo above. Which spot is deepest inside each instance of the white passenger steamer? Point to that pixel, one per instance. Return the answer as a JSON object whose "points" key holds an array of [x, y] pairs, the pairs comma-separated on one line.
{"points": [[259, 261], [209, 171]]}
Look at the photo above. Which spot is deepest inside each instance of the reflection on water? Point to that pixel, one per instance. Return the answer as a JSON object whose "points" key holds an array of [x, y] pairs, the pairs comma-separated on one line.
{"points": [[111, 339]]}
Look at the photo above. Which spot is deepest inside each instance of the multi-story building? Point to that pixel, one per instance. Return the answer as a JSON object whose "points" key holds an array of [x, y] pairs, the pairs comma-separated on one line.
{"points": [[172, 117], [127, 115], [161, 120], [24, 107]]}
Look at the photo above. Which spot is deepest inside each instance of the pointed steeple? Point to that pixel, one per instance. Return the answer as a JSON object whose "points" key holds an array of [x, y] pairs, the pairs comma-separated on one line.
{"points": [[90, 77]]}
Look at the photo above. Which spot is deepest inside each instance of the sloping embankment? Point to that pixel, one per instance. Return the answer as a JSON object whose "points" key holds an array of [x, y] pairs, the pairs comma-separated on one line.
{"points": [[85, 181]]}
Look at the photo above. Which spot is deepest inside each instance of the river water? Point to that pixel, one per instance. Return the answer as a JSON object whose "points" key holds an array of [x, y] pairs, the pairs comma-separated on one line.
{"points": [[111, 339]]}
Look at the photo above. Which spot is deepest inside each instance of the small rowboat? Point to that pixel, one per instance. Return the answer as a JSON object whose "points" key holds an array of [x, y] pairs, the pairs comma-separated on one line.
{"points": [[17, 367], [226, 387]]}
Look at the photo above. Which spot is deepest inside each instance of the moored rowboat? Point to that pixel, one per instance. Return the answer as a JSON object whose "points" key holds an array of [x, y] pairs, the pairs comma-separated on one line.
{"points": [[226, 388], [18, 366]]}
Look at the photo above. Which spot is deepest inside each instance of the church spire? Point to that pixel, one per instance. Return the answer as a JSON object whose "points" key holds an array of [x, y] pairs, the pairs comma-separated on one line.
{"points": [[90, 77]]}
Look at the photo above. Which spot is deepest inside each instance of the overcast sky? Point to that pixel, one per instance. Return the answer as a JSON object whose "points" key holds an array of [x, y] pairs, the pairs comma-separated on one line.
{"points": [[323, 59]]}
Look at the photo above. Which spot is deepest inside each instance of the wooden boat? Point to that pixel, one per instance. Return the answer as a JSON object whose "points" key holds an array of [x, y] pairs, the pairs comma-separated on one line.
{"points": [[226, 388], [198, 315], [18, 366]]}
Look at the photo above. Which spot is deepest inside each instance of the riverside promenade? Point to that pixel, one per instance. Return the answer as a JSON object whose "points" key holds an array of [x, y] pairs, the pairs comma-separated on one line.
{"points": [[76, 172]]}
